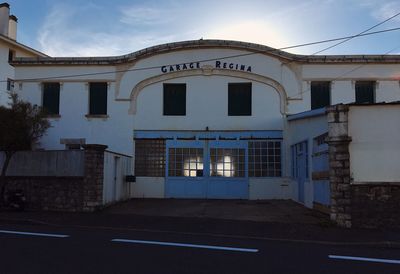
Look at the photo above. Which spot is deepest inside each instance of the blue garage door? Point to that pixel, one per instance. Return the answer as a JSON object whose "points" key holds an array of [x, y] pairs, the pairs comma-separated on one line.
{"points": [[206, 169]]}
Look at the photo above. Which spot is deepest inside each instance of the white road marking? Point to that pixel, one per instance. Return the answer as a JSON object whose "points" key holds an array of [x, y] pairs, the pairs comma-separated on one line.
{"points": [[34, 234], [251, 250], [364, 259]]}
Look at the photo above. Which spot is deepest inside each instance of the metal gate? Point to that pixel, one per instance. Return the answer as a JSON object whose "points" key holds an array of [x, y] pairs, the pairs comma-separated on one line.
{"points": [[214, 169]]}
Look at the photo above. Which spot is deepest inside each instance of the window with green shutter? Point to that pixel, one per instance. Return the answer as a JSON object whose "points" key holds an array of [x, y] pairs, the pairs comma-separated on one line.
{"points": [[98, 98], [174, 99], [51, 98], [320, 94], [365, 92], [239, 99]]}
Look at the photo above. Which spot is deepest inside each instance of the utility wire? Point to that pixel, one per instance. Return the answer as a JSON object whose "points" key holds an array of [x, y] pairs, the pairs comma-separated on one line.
{"points": [[361, 33], [208, 60], [345, 73]]}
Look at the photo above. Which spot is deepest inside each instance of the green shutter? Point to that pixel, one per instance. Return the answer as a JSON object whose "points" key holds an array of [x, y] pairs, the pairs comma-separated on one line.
{"points": [[239, 99], [174, 99], [365, 92], [98, 99], [320, 94], [51, 98]]}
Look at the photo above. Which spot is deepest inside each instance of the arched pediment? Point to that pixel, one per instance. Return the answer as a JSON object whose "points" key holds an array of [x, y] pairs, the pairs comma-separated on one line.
{"points": [[208, 71]]}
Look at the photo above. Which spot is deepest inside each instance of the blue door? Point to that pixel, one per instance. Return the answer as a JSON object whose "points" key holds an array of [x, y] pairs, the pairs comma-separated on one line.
{"points": [[300, 167], [206, 169]]}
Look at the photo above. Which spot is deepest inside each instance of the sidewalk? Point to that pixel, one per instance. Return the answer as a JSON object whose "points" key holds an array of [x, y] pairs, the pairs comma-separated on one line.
{"points": [[182, 216]]}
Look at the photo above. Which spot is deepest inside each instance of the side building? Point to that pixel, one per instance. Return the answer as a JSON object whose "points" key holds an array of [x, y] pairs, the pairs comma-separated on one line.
{"points": [[9, 49]]}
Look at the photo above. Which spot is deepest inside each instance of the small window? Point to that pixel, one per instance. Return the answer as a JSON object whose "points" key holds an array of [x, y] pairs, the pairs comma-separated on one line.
{"points": [[365, 92], [11, 55], [320, 94], [239, 99], [174, 99], [98, 98], [10, 84], [51, 98]]}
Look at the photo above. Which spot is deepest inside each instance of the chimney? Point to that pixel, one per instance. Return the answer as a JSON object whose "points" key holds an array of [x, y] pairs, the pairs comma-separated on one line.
{"points": [[4, 18], [12, 27]]}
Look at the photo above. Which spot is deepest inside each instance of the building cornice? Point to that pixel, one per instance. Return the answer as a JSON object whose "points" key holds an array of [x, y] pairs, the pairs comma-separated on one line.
{"points": [[204, 44]]}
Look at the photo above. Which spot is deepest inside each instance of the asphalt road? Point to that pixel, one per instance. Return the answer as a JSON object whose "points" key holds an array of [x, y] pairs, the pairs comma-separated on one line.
{"points": [[72, 249]]}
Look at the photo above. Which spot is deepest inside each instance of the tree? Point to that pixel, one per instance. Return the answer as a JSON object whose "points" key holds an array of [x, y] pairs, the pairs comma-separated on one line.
{"points": [[21, 127]]}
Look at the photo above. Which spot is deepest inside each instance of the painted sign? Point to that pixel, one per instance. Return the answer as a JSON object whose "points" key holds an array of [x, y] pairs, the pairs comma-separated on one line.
{"points": [[196, 65]]}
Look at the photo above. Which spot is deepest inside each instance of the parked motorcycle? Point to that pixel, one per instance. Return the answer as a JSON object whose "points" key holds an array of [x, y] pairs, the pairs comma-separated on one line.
{"points": [[17, 200]]}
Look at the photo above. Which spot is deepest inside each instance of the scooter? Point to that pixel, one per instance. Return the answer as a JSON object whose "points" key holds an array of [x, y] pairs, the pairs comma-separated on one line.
{"points": [[17, 200]]}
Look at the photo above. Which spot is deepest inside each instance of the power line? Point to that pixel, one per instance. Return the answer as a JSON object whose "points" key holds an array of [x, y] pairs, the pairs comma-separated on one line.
{"points": [[347, 72], [207, 60], [361, 33]]}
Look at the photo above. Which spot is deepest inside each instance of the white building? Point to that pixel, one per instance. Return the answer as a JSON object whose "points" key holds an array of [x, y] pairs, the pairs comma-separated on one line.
{"points": [[203, 118]]}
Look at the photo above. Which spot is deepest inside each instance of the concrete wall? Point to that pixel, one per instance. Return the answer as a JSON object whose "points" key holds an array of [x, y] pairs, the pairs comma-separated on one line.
{"points": [[46, 163], [148, 187], [270, 188], [375, 146]]}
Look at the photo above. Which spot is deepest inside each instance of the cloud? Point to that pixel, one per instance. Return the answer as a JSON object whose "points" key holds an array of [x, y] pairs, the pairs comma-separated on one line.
{"points": [[98, 30], [144, 16], [387, 10]]}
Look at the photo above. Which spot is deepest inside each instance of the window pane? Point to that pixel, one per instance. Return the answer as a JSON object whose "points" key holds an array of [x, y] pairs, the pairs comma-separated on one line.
{"points": [[51, 97], [150, 158], [239, 99], [365, 92], [174, 99], [264, 159], [320, 94], [98, 98]]}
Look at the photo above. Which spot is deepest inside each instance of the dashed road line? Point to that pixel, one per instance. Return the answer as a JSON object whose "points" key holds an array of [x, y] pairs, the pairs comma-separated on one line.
{"points": [[33, 234], [364, 259], [226, 248]]}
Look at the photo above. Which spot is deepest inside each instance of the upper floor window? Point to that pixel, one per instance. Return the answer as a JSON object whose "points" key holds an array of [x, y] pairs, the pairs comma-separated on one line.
{"points": [[11, 55], [51, 98], [10, 84], [320, 94], [365, 92], [98, 98], [239, 99], [174, 99]]}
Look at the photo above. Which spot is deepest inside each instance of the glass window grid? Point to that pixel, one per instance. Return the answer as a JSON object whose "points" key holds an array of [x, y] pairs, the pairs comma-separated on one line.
{"points": [[187, 162], [265, 159], [227, 162], [150, 158]]}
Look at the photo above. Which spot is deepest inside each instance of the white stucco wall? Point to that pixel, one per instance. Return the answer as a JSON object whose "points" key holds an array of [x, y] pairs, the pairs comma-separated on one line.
{"points": [[148, 187], [207, 106], [270, 188], [375, 146]]}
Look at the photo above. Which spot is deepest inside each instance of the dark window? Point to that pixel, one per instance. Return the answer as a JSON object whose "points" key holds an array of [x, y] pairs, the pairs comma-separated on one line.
{"points": [[10, 84], [98, 99], [150, 157], [365, 92], [320, 94], [51, 98], [174, 99], [239, 99], [11, 55], [265, 159]]}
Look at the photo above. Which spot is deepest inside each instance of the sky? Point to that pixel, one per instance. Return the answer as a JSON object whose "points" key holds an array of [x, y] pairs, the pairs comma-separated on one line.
{"points": [[117, 27]]}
